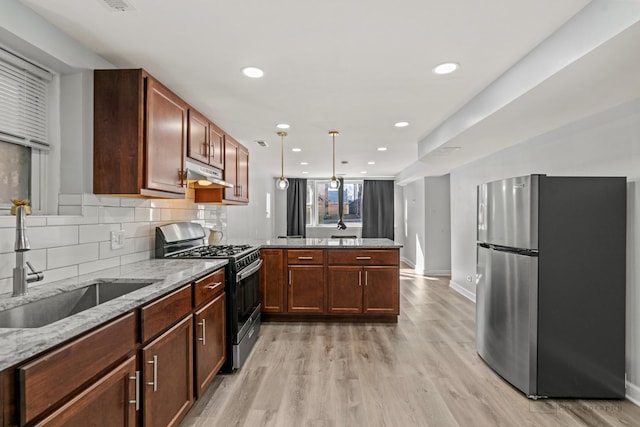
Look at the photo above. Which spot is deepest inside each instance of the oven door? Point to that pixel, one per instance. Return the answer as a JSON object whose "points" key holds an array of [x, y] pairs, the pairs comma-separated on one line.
{"points": [[247, 298]]}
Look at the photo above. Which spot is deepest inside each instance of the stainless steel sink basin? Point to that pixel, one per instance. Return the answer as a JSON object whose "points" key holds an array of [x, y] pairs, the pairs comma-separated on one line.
{"points": [[51, 309]]}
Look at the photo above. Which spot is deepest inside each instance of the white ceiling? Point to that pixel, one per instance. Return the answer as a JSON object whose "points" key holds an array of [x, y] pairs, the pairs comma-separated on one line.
{"points": [[356, 66]]}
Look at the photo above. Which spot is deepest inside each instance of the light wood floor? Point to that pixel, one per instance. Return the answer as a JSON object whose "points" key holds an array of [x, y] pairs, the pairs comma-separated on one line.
{"points": [[424, 371]]}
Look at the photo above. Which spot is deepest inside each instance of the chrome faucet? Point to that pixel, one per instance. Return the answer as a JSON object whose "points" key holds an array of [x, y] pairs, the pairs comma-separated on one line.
{"points": [[20, 275]]}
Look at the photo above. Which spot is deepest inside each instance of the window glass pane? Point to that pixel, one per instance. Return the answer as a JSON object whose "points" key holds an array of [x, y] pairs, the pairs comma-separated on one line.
{"points": [[15, 172], [310, 193], [327, 203]]}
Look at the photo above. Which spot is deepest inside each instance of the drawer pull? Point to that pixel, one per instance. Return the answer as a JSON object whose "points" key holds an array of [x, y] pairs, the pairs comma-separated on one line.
{"points": [[306, 258], [366, 278], [363, 258], [154, 383], [137, 399], [215, 285], [289, 277], [359, 278], [204, 332]]}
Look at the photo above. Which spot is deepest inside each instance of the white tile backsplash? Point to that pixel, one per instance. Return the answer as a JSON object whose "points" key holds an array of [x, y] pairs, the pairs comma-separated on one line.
{"points": [[67, 245], [70, 255]]}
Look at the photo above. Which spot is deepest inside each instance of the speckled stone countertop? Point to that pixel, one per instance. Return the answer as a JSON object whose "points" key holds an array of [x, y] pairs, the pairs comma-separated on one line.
{"points": [[297, 243], [17, 345]]}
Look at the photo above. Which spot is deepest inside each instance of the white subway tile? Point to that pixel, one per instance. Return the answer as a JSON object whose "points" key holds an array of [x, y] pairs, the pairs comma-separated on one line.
{"points": [[54, 236], [7, 239], [70, 199], [96, 232], [6, 287], [116, 214], [138, 229], [141, 244], [135, 203], [94, 200], [70, 210], [147, 214], [90, 267], [66, 219], [90, 214], [70, 255], [57, 274], [107, 252], [135, 257]]}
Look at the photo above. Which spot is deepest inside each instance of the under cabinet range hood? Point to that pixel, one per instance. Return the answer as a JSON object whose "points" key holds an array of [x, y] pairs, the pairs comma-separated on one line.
{"points": [[200, 176]]}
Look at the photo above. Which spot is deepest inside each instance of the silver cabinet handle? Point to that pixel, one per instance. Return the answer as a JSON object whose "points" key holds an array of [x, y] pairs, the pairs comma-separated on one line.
{"points": [[137, 399], [204, 332], [366, 278], [305, 257], [289, 277], [215, 285], [363, 258], [359, 278], [154, 383]]}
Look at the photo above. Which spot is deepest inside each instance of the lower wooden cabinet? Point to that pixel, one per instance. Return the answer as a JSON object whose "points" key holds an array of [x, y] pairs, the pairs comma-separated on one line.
{"points": [[167, 376], [368, 290], [210, 342], [272, 283], [306, 289], [110, 401]]}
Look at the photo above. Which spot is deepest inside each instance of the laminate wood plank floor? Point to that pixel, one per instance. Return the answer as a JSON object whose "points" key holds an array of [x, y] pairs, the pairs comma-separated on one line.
{"points": [[422, 371]]}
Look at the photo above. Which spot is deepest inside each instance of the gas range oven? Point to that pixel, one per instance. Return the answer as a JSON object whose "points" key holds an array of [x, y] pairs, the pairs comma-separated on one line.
{"points": [[242, 282]]}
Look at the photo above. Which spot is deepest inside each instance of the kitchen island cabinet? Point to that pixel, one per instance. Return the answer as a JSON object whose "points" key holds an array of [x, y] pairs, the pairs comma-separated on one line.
{"points": [[325, 283], [140, 134]]}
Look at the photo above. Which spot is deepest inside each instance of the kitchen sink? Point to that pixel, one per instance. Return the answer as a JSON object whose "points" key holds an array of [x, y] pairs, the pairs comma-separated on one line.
{"points": [[47, 310]]}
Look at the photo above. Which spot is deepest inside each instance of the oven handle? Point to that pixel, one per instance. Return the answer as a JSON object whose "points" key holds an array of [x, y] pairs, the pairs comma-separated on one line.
{"points": [[252, 268]]}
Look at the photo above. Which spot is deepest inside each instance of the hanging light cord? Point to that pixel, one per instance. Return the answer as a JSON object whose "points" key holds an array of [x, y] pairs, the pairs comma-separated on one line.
{"points": [[282, 135], [333, 134]]}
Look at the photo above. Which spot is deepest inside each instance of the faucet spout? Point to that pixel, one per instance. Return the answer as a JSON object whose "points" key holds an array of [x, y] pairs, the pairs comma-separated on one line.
{"points": [[20, 275]]}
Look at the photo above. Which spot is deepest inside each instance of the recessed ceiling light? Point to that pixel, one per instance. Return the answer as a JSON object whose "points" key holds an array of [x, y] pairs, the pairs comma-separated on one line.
{"points": [[305, 172], [371, 163], [304, 163], [296, 150], [446, 68], [401, 124], [363, 172], [382, 148], [253, 72], [282, 126]]}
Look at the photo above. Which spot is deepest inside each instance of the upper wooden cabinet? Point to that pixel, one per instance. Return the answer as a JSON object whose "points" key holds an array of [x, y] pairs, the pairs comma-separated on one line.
{"points": [[206, 140], [236, 171], [140, 134]]}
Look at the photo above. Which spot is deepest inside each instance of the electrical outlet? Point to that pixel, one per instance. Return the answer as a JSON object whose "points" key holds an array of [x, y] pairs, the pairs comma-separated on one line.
{"points": [[117, 239], [469, 278]]}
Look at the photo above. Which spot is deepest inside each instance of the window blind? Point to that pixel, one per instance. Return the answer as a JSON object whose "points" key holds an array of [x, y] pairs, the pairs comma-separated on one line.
{"points": [[24, 91]]}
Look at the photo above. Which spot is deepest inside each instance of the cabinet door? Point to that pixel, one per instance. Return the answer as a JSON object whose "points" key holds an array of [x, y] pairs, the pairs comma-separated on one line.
{"points": [[272, 280], [110, 401], [166, 137], [344, 288], [198, 143], [210, 343], [216, 146], [243, 173], [167, 376], [231, 168], [306, 289], [381, 290]]}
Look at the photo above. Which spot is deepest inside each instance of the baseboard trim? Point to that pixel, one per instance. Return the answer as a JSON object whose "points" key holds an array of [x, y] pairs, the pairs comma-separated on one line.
{"points": [[633, 393], [462, 291], [425, 272]]}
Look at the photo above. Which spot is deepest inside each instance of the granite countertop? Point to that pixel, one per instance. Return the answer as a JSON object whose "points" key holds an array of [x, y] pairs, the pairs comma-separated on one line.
{"points": [[320, 243], [17, 345]]}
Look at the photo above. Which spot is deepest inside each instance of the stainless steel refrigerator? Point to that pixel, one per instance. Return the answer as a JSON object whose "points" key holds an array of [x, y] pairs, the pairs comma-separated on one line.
{"points": [[550, 296]]}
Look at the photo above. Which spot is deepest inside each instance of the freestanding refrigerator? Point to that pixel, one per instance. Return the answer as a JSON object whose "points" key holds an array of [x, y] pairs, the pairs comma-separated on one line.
{"points": [[550, 296]]}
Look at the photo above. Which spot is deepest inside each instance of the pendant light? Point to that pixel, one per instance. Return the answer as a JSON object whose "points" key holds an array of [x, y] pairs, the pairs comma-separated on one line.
{"points": [[334, 184], [283, 183]]}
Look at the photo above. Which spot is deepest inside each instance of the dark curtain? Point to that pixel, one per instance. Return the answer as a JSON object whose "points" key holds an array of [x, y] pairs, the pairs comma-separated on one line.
{"points": [[296, 207], [341, 224], [377, 208]]}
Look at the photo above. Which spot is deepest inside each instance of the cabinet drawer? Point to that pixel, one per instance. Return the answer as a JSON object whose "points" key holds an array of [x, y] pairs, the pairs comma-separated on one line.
{"points": [[48, 379], [159, 315], [364, 257], [305, 256], [208, 287]]}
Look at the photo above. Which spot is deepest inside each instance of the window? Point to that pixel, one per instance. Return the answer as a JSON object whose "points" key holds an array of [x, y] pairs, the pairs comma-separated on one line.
{"points": [[24, 113], [323, 206]]}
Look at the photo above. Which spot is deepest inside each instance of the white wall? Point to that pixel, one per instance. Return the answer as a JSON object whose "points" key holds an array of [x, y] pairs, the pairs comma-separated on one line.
{"points": [[607, 144], [426, 227]]}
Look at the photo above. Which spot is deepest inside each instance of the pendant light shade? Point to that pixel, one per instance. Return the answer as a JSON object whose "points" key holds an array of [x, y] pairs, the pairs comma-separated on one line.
{"points": [[283, 183], [334, 184]]}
